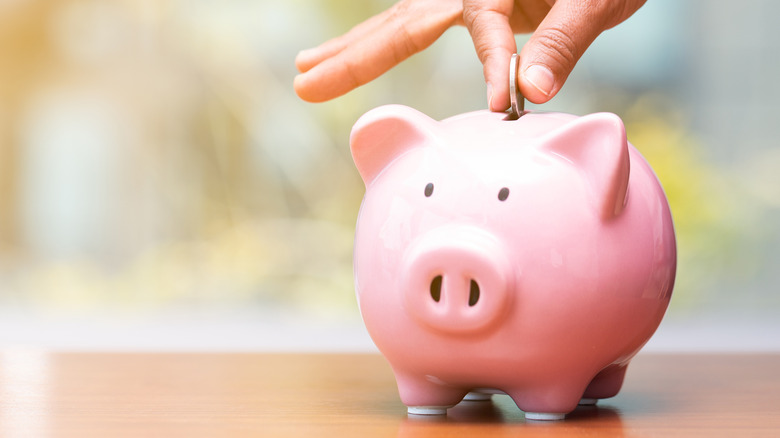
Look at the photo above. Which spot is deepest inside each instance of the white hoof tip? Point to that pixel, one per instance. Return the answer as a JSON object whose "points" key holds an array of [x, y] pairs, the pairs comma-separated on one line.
{"points": [[588, 401], [477, 396], [544, 416], [426, 410]]}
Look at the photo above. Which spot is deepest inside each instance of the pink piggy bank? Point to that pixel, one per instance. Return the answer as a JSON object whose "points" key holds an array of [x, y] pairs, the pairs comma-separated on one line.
{"points": [[533, 257]]}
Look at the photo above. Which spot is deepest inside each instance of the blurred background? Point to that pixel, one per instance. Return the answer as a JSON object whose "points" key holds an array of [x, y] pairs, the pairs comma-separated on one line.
{"points": [[162, 187]]}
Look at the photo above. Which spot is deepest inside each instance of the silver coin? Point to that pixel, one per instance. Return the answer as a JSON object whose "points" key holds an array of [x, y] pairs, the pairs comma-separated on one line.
{"points": [[516, 99]]}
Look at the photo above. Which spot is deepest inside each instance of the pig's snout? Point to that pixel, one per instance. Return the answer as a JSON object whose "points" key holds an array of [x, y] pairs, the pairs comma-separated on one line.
{"points": [[457, 280]]}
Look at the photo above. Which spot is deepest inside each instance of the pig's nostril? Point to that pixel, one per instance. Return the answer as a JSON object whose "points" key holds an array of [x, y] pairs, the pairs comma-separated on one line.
{"points": [[436, 288], [473, 293]]}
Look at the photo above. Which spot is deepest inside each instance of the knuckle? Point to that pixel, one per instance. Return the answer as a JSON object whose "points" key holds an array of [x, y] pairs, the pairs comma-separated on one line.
{"points": [[355, 75], [405, 42], [561, 47], [486, 52], [484, 24], [471, 16], [477, 18]]}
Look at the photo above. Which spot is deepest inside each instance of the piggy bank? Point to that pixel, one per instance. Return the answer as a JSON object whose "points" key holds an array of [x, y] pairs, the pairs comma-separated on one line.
{"points": [[532, 257]]}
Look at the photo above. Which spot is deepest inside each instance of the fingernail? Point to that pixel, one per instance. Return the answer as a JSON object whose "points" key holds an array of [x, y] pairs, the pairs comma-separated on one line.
{"points": [[541, 78], [490, 95]]}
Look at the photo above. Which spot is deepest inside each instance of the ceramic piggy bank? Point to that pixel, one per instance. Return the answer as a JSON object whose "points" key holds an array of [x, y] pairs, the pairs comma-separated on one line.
{"points": [[532, 257]]}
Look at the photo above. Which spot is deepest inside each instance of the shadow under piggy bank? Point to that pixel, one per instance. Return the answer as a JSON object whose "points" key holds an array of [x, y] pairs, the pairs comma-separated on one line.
{"points": [[499, 416]]}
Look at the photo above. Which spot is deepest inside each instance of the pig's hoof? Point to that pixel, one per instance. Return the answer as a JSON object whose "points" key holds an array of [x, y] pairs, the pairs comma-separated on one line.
{"points": [[544, 416], [427, 410], [477, 396], [588, 401]]}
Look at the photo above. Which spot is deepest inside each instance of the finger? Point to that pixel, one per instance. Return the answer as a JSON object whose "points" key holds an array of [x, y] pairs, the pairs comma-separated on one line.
{"points": [[306, 59], [494, 41], [562, 37], [408, 28]]}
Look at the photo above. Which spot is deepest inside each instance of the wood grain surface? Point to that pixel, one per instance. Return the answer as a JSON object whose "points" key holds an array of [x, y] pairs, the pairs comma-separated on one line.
{"points": [[312, 395]]}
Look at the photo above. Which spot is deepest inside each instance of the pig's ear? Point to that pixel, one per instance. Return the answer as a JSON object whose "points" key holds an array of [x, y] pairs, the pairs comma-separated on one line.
{"points": [[384, 133], [597, 145]]}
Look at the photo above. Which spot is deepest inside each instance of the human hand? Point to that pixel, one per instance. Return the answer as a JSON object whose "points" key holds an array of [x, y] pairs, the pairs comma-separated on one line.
{"points": [[562, 31], [373, 47]]}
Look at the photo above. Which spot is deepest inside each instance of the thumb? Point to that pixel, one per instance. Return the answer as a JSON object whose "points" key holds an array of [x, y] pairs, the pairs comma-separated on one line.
{"points": [[559, 41]]}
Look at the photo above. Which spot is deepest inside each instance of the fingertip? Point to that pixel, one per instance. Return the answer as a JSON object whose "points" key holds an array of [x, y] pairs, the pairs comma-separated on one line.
{"points": [[303, 89], [537, 83], [320, 84], [298, 86], [498, 99], [496, 71], [303, 60]]}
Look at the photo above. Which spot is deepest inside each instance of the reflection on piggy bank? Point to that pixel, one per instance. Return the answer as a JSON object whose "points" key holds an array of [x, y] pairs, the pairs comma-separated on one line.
{"points": [[533, 257]]}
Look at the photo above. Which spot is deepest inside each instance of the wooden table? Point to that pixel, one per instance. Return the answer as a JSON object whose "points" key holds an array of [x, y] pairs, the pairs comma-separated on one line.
{"points": [[314, 395]]}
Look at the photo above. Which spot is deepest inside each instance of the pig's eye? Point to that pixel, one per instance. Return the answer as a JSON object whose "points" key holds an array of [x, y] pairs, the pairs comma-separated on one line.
{"points": [[502, 194], [428, 190]]}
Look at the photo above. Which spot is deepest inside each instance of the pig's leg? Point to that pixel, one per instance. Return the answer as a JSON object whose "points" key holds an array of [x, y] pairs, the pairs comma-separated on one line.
{"points": [[548, 402], [606, 384], [425, 395]]}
